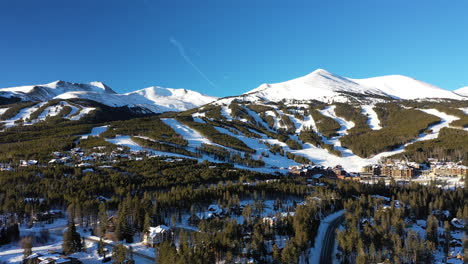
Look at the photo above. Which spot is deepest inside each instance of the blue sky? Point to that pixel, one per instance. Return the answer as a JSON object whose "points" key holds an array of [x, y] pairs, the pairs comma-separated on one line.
{"points": [[223, 47]]}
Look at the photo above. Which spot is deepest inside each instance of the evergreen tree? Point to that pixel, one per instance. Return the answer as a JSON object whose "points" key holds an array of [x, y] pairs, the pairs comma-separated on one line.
{"points": [[431, 229], [147, 223], [167, 253], [102, 219], [119, 254], [101, 250], [71, 240], [447, 237], [27, 245]]}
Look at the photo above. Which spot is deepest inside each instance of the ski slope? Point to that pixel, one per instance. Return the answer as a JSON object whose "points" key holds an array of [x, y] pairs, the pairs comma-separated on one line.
{"points": [[373, 118]]}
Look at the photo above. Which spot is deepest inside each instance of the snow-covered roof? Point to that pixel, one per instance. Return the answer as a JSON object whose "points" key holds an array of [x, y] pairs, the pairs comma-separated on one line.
{"points": [[153, 231]]}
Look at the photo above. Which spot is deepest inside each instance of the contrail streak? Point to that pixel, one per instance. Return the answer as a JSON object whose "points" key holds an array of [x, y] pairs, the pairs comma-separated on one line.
{"points": [[181, 49]]}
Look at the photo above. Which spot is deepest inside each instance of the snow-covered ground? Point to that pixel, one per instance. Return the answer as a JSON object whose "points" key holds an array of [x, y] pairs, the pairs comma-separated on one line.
{"points": [[352, 162], [194, 138], [83, 112], [349, 160], [373, 119], [446, 120], [344, 125], [95, 132], [13, 253], [50, 111], [22, 114], [314, 253], [125, 141], [3, 110]]}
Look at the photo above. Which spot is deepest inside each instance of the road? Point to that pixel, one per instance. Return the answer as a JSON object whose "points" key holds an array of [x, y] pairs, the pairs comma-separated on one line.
{"points": [[145, 258], [328, 246]]}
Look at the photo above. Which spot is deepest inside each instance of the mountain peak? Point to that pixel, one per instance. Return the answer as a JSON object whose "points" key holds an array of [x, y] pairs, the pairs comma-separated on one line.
{"points": [[323, 85], [320, 71]]}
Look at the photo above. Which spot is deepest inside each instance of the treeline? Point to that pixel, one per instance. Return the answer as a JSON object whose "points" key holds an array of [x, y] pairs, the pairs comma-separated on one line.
{"points": [[237, 111], [377, 230], [213, 112], [325, 125], [61, 185], [308, 135], [380, 236], [14, 109], [151, 127], [229, 240], [164, 147], [400, 126], [277, 149], [450, 145], [353, 114], [285, 121], [38, 141], [448, 107], [214, 135], [223, 154]]}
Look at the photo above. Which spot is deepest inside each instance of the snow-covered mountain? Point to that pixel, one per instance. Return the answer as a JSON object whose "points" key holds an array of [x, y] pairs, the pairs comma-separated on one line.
{"points": [[180, 99], [45, 92], [462, 91], [325, 86], [319, 85], [155, 99], [403, 87]]}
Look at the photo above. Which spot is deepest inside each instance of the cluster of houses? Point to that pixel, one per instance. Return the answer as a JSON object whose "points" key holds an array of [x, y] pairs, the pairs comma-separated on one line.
{"points": [[81, 158], [314, 172], [78, 157], [49, 257], [399, 169]]}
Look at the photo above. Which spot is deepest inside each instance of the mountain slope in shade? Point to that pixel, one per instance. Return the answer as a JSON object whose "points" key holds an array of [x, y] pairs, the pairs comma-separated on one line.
{"points": [[325, 86], [462, 91], [155, 99]]}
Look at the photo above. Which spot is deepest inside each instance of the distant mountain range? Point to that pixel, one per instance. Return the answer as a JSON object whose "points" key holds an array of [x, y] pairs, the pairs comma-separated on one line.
{"points": [[319, 85], [155, 99]]}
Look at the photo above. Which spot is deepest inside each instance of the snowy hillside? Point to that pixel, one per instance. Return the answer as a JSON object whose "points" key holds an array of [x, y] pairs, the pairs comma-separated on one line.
{"points": [[155, 99], [462, 91], [319, 85], [402, 87], [172, 99], [325, 86], [45, 92]]}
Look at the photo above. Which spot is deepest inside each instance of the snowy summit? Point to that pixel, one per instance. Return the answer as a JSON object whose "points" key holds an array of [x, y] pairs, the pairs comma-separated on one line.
{"points": [[324, 86], [155, 99]]}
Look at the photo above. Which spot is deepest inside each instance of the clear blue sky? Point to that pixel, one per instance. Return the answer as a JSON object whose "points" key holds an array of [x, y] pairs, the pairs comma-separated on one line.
{"points": [[224, 47]]}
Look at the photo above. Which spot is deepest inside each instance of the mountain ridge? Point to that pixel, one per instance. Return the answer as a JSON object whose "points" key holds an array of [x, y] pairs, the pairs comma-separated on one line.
{"points": [[166, 99], [322, 85], [319, 85]]}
